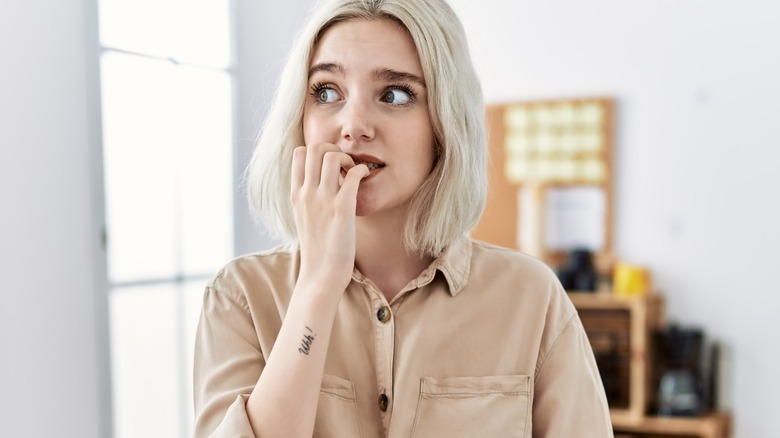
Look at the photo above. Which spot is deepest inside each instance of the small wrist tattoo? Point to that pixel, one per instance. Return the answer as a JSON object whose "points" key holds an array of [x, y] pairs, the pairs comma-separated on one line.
{"points": [[306, 341]]}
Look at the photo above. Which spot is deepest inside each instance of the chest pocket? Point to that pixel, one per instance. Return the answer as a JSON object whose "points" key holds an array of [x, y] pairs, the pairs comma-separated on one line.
{"points": [[473, 406], [337, 414]]}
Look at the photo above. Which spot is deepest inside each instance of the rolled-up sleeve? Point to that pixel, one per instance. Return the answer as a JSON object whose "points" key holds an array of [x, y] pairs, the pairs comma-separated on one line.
{"points": [[569, 396], [228, 361]]}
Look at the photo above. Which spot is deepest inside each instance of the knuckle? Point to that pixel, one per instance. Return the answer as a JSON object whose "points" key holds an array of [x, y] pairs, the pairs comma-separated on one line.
{"points": [[315, 147], [298, 194], [322, 147], [332, 157]]}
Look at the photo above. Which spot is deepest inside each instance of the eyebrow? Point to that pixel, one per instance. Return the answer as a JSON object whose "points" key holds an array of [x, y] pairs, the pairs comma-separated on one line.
{"points": [[384, 74], [389, 75], [327, 67]]}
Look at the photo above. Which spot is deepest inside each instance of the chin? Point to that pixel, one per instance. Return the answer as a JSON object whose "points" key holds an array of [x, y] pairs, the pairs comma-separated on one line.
{"points": [[362, 210], [363, 207]]}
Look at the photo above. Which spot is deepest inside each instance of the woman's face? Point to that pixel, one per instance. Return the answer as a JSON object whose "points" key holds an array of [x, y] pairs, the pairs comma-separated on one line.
{"points": [[367, 96]]}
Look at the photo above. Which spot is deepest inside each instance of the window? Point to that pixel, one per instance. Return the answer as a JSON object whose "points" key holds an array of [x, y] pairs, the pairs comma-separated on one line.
{"points": [[166, 86]]}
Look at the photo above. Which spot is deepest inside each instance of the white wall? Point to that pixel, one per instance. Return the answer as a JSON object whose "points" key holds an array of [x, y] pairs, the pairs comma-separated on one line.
{"points": [[697, 150], [50, 331]]}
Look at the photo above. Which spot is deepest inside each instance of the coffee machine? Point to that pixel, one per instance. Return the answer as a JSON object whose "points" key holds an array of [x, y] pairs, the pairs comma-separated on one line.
{"points": [[681, 375]]}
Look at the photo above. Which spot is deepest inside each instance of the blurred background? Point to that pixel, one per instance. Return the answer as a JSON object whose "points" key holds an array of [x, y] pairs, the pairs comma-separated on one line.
{"points": [[125, 127]]}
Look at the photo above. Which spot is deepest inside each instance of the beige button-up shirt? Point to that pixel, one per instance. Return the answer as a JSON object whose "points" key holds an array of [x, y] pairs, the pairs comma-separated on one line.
{"points": [[484, 343]]}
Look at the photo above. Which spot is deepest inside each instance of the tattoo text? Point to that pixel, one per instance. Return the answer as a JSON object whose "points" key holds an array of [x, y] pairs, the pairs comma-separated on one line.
{"points": [[308, 339]]}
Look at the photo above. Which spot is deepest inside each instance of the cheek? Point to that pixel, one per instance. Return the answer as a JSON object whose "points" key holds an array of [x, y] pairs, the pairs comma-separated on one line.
{"points": [[313, 129], [308, 129]]}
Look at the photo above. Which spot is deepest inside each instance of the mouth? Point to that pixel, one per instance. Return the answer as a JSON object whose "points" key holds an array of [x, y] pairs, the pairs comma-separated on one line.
{"points": [[372, 163]]}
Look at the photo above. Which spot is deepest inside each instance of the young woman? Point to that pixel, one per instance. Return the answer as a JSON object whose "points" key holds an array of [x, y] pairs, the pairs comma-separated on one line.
{"points": [[381, 318]]}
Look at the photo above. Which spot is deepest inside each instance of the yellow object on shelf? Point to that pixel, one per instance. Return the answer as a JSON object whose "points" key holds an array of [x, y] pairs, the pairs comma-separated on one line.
{"points": [[630, 279]]}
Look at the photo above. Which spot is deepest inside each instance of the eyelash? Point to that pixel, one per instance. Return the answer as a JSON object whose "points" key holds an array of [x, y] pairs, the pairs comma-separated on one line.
{"points": [[405, 88], [316, 88]]}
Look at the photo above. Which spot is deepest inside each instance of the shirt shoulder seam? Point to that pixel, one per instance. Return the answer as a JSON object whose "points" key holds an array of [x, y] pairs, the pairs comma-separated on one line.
{"points": [[543, 362], [232, 299]]}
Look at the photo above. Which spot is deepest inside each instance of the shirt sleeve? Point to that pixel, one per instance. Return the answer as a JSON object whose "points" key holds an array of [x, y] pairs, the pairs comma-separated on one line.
{"points": [[227, 364], [569, 398]]}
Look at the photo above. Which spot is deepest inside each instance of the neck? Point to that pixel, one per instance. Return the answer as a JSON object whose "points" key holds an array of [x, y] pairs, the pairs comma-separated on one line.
{"points": [[381, 255]]}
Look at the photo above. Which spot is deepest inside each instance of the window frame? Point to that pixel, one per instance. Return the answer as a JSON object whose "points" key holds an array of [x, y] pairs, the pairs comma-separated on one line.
{"points": [[104, 287]]}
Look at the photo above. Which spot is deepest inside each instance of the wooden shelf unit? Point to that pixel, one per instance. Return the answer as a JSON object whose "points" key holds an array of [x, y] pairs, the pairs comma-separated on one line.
{"points": [[645, 314]]}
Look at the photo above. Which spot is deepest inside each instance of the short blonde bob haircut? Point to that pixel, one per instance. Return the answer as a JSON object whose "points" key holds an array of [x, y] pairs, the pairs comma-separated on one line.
{"points": [[450, 201]]}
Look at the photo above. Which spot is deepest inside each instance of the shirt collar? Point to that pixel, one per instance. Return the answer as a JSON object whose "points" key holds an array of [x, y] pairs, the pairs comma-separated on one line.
{"points": [[454, 263]]}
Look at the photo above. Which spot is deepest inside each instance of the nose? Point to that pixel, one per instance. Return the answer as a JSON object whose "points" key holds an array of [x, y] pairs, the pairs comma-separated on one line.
{"points": [[357, 121]]}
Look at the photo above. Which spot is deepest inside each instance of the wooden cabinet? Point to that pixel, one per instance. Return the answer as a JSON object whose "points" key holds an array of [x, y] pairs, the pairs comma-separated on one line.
{"points": [[620, 331]]}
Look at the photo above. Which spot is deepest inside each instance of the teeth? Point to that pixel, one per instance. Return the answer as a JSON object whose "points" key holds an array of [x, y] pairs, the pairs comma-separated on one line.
{"points": [[371, 166]]}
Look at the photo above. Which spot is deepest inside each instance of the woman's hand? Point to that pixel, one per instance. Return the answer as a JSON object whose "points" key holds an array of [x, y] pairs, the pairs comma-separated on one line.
{"points": [[324, 188]]}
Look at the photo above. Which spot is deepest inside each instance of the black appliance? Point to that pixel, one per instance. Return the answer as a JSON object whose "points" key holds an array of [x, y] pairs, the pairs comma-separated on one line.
{"points": [[579, 273], [680, 390]]}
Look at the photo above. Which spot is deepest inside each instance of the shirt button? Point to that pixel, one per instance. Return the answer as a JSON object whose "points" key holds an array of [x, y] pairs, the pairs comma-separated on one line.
{"points": [[383, 402], [383, 314]]}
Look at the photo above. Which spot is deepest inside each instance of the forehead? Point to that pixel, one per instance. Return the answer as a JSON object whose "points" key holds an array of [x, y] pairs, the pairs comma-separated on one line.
{"points": [[360, 42]]}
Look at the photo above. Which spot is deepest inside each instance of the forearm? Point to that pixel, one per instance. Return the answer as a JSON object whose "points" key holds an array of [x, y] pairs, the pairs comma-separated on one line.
{"points": [[284, 401]]}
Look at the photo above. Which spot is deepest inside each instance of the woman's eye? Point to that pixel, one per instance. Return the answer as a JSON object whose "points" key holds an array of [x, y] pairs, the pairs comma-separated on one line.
{"points": [[396, 96], [327, 95]]}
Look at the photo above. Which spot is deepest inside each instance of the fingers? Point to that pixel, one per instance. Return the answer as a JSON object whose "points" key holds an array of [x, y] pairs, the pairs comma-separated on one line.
{"points": [[298, 167], [319, 165], [332, 165], [313, 169], [349, 187]]}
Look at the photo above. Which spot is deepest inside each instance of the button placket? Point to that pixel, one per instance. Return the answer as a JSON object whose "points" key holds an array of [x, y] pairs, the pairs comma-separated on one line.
{"points": [[385, 349], [383, 315], [384, 329]]}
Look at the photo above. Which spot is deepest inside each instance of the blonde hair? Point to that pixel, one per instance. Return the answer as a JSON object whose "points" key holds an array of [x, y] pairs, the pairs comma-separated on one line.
{"points": [[451, 199]]}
